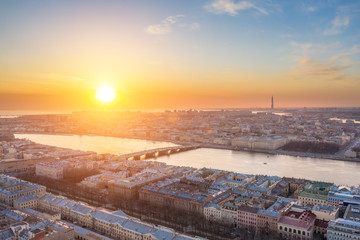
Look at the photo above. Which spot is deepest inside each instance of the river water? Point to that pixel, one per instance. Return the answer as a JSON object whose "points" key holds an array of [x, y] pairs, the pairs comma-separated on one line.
{"points": [[339, 172]]}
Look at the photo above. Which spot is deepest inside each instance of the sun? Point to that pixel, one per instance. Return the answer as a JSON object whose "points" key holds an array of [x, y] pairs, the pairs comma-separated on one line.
{"points": [[105, 94]]}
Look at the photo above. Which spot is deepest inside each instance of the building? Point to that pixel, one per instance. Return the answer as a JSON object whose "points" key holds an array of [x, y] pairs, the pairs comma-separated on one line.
{"points": [[114, 224], [343, 194], [247, 217], [229, 213], [295, 225], [321, 227], [174, 198], [315, 193], [268, 143], [54, 170], [267, 220], [128, 188], [325, 212], [212, 212], [264, 184], [12, 188], [352, 213], [343, 229], [30, 201]]}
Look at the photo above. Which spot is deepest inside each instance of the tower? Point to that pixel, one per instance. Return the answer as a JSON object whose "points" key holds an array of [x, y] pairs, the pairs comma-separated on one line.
{"points": [[272, 102]]}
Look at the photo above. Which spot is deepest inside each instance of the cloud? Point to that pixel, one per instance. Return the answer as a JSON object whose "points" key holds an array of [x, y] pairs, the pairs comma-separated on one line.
{"points": [[194, 26], [164, 27], [310, 9], [302, 48], [337, 25], [307, 68], [305, 49], [337, 58], [231, 8]]}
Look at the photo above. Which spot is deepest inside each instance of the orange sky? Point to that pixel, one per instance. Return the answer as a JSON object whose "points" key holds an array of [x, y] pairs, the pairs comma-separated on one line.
{"points": [[54, 55]]}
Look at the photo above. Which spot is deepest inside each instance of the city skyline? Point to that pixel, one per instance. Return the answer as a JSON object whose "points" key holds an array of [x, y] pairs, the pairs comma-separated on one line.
{"points": [[183, 54]]}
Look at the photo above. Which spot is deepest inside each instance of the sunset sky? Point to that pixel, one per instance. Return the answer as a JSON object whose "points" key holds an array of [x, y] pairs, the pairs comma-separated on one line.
{"points": [[178, 54]]}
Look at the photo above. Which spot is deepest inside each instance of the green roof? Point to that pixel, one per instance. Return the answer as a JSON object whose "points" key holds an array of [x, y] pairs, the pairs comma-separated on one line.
{"points": [[311, 195]]}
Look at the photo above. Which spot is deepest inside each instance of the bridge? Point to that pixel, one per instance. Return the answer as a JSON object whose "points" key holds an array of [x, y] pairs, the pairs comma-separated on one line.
{"points": [[157, 152]]}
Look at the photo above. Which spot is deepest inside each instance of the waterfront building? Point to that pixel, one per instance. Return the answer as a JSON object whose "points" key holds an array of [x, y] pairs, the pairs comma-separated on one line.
{"points": [[296, 185], [344, 194], [295, 225], [350, 154], [251, 142], [315, 193], [343, 229]]}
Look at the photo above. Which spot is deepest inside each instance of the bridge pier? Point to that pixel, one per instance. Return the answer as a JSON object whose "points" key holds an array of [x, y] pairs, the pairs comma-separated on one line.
{"points": [[162, 153], [152, 155]]}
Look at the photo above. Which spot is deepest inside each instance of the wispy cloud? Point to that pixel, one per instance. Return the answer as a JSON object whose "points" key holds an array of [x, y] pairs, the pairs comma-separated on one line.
{"points": [[307, 49], [302, 48], [231, 7], [346, 55], [337, 25], [194, 26], [308, 68], [313, 61], [310, 9], [164, 27]]}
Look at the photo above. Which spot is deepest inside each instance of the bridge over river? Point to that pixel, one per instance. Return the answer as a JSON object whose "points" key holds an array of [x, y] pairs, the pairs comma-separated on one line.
{"points": [[157, 152]]}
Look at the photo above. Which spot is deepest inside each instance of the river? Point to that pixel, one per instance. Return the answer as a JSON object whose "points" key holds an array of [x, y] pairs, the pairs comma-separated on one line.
{"points": [[339, 172]]}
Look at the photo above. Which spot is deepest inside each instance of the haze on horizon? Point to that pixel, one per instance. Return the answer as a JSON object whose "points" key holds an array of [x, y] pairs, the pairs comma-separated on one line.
{"points": [[179, 54]]}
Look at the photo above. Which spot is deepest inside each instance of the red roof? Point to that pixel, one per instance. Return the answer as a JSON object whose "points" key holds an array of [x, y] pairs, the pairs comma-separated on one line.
{"points": [[304, 220]]}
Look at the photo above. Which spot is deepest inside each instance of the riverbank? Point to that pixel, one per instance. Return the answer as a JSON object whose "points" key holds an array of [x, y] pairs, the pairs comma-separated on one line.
{"points": [[234, 160], [281, 152], [212, 146]]}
